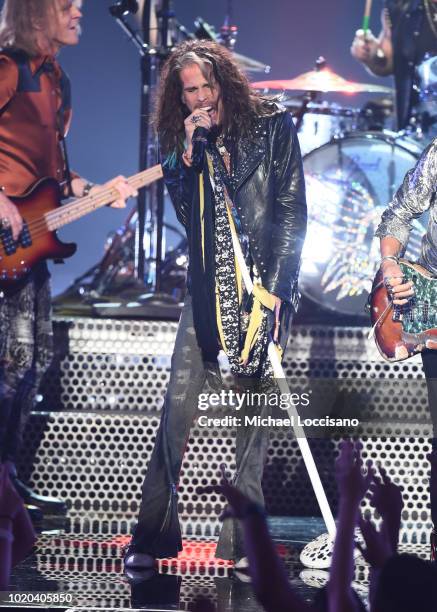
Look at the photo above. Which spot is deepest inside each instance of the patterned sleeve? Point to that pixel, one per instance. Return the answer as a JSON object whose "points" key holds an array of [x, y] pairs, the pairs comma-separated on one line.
{"points": [[412, 199], [8, 79]]}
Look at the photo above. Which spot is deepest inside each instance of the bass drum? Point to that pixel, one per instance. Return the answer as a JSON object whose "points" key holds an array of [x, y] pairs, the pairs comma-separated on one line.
{"points": [[349, 183]]}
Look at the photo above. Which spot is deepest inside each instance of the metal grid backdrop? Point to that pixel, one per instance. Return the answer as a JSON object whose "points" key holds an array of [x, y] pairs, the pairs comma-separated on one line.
{"points": [[124, 365], [107, 385]]}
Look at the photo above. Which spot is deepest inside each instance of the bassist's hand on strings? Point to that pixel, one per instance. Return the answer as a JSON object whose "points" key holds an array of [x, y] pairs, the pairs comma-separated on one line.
{"points": [[399, 291], [120, 183], [10, 218]]}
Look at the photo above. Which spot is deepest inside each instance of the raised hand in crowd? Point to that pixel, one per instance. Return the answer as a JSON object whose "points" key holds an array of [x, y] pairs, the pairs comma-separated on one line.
{"points": [[386, 498], [353, 482], [269, 577], [377, 548]]}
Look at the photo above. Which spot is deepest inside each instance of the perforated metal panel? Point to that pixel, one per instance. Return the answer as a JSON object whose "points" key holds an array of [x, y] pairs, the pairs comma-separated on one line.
{"points": [[90, 569], [97, 463], [97, 460], [124, 365]]}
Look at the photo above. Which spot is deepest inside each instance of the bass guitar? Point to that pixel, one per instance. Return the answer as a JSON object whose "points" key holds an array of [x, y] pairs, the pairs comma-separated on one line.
{"points": [[402, 331], [42, 215]]}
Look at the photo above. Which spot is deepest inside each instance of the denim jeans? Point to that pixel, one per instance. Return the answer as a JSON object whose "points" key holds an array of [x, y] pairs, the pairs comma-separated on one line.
{"points": [[158, 531]]}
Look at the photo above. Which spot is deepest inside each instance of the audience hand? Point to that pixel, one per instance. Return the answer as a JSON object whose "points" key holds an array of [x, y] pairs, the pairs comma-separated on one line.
{"points": [[386, 497], [352, 482], [240, 506], [378, 548]]}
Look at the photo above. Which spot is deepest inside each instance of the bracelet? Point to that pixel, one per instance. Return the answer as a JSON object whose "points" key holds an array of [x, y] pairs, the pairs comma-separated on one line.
{"points": [[390, 257], [6, 535], [87, 189]]}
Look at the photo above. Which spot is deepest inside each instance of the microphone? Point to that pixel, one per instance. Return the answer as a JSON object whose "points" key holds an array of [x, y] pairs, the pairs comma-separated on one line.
{"points": [[124, 7], [199, 142]]}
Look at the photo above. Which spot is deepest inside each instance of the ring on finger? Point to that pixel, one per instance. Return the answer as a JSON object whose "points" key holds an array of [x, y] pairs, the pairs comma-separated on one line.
{"points": [[195, 119], [4, 222]]}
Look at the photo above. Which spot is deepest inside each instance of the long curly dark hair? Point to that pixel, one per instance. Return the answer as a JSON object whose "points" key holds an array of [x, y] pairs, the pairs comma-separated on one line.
{"points": [[241, 105]]}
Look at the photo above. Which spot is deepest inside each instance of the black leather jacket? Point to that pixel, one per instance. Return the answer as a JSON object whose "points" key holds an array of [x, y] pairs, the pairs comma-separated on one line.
{"points": [[269, 194]]}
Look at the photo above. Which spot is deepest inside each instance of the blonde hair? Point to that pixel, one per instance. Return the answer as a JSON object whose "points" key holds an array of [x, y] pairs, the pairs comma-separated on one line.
{"points": [[22, 20]]}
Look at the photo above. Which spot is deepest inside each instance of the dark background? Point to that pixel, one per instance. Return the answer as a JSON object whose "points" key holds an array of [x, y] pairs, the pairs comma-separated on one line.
{"points": [[104, 70]]}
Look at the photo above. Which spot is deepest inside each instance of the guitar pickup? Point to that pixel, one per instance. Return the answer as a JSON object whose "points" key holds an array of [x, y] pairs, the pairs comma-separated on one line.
{"points": [[10, 245], [425, 312], [397, 312], [25, 237]]}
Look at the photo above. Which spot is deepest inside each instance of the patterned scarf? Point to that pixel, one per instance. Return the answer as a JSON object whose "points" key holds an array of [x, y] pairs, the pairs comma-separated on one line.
{"points": [[240, 325]]}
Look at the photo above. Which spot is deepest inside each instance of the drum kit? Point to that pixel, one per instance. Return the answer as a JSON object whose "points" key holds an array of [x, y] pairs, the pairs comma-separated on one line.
{"points": [[353, 164]]}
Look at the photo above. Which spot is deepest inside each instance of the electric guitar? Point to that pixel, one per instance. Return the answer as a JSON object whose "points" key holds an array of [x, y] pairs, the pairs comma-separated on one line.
{"points": [[403, 331], [42, 215]]}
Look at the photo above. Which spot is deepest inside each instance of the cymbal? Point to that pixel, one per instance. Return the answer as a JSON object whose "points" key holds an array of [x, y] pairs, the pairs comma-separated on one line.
{"points": [[324, 80]]}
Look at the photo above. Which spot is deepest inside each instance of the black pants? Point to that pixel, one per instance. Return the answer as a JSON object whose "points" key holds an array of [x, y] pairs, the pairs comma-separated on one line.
{"points": [[157, 531], [429, 360]]}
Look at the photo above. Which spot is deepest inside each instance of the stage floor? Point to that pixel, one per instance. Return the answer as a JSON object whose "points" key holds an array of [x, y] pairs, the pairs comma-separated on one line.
{"points": [[81, 559]]}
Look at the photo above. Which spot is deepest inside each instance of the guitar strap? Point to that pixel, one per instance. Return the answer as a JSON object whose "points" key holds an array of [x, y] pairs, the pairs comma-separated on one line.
{"points": [[66, 103], [67, 172]]}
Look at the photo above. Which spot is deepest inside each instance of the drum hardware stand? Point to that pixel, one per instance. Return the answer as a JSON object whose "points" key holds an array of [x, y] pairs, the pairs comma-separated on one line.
{"points": [[150, 204], [151, 201], [308, 97], [228, 33], [120, 11]]}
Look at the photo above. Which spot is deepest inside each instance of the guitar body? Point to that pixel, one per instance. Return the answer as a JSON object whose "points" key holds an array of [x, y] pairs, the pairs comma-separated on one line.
{"points": [[403, 331], [43, 214], [44, 197]]}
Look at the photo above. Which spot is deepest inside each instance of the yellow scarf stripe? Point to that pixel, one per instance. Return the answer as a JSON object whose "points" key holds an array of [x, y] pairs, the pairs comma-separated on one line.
{"points": [[261, 298], [202, 209]]}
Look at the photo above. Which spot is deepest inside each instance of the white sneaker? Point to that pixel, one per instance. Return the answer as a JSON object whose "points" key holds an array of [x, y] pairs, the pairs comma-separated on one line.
{"points": [[242, 563], [241, 570]]}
